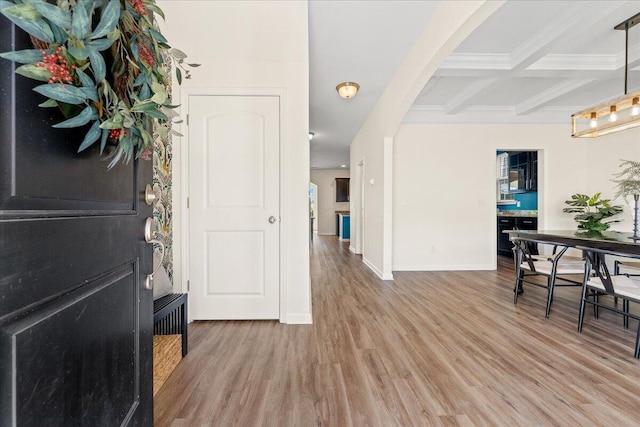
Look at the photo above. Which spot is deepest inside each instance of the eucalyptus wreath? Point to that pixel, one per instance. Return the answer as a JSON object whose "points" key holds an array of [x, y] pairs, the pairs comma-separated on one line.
{"points": [[105, 66]]}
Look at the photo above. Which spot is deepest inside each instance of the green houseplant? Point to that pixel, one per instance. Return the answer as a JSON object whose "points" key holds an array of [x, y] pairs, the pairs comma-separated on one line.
{"points": [[591, 212], [628, 184]]}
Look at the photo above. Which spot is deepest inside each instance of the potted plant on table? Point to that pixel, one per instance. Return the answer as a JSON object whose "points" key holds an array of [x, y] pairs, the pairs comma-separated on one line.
{"points": [[591, 212], [629, 185]]}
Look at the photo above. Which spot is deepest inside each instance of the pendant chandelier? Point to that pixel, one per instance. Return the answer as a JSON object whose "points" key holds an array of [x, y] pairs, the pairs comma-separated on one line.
{"points": [[616, 115]]}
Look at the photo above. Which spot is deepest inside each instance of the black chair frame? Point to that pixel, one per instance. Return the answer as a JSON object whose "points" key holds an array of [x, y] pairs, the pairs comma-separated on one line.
{"points": [[595, 262], [522, 247]]}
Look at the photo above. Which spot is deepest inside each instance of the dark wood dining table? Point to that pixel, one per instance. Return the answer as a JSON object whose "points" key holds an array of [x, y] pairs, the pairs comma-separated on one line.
{"points": [[609, 241]]}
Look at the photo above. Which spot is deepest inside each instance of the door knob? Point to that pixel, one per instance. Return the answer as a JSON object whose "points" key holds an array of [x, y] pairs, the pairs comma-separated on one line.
{"points": [[148, 237], [272, 219], [150, 196]]}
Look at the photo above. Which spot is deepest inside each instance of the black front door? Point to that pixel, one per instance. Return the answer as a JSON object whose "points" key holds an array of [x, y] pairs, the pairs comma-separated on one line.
{"points": [[75, 318]]}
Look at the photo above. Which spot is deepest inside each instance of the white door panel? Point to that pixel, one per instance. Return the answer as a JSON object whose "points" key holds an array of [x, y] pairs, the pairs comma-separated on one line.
{"points": [[234, 190]]}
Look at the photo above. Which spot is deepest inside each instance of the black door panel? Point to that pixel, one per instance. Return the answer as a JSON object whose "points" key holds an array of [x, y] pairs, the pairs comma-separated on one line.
{"points": [[75, 319], [64, 347]]}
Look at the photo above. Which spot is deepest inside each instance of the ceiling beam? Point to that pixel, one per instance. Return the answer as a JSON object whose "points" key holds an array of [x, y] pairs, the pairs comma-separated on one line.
{"points": [[459, 102], [543, 98], [574, 21]]}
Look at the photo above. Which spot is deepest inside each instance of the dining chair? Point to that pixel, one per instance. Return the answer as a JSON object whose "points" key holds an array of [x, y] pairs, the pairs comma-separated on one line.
{"points": [[622, 286], [559, 270], [631, 268]]}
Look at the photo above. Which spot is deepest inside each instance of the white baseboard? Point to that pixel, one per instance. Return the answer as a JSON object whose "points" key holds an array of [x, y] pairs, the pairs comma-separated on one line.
{"points": [[327, 234], [300, 319], [377, 271], [352, 249]]}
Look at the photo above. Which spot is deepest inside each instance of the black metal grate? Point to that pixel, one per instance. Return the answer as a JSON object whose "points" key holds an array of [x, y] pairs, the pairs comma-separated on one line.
{"points": [[170, 317]]}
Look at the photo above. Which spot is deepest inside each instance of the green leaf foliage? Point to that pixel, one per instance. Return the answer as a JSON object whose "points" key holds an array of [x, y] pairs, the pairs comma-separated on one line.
{"points": [[159, 93], [100, 44], [156, 35], [103, 141], [99, 66], [85, 80], [91, 136], [82, 34], [628, 183], [22, 11], [116, 157], [108, 19], [81, 21], [60, 35], [591, 211], [63, 93], [26, 56], [56, 15], [49, 103], [155, 9], [88, 114], [156, 114], [34, 72], [177, 54], [37, 27], [91, 93], [115, 122], [145, 92], [80, 53]]}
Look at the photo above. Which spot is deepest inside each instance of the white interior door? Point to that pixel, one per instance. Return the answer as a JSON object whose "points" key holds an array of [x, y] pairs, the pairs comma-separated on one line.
{"points": [[234, 201]]}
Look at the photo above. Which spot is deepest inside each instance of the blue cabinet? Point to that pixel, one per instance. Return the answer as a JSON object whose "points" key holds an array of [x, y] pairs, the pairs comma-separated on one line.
{"points": [[344, 230]]}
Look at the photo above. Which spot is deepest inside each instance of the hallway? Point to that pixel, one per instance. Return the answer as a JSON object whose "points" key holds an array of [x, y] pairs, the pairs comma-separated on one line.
{"points": [[430, 348]]}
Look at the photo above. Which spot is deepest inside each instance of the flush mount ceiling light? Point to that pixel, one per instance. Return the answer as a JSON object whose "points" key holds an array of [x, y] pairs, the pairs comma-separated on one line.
{"points": [[347, 89], [616, 115], [311, 134]]}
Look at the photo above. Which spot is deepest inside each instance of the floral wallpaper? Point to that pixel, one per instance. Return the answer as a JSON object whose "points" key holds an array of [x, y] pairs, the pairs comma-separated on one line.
{"points": [[163, 210]]}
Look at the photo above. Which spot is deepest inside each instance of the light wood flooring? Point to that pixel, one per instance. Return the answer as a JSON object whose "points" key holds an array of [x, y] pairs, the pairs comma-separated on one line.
{"points": [[430, 348]]}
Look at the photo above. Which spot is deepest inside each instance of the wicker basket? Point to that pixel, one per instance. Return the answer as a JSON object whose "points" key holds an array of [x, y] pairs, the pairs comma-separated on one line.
{"points": [[167, 353]]}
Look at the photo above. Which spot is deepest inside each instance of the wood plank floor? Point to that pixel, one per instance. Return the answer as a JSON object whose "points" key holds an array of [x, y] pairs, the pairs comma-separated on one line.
{"points": [[430, 348]]}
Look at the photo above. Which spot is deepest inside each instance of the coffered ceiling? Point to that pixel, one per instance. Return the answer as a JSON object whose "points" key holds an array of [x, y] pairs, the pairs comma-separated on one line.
{"points": [[530, 62]]}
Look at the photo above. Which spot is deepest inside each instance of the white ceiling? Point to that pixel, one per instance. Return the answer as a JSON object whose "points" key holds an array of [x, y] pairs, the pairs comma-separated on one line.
{"points": [[530, 62], [357, 41]]}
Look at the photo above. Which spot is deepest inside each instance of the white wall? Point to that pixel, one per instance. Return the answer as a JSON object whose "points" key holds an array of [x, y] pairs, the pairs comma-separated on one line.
{"points": [[603, 161], [325, 179], [444, 186], [262, 46], [448, 27]]}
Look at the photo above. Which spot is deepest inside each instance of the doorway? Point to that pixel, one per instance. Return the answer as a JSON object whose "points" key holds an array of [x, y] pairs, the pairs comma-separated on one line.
{"points": [[234, 207], [313, 210], [517, 181]]}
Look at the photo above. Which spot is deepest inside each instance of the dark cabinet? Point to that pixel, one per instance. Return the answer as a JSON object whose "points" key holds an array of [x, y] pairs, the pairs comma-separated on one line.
{"points": [[523, 171], [526, 223], [510, 223], [504, 245], [342, 189]]}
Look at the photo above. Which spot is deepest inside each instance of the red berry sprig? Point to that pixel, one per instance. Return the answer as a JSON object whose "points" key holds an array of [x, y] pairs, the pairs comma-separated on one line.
{"points": [[146, 54], [57, 65], [138, 6], [115, 133]]}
